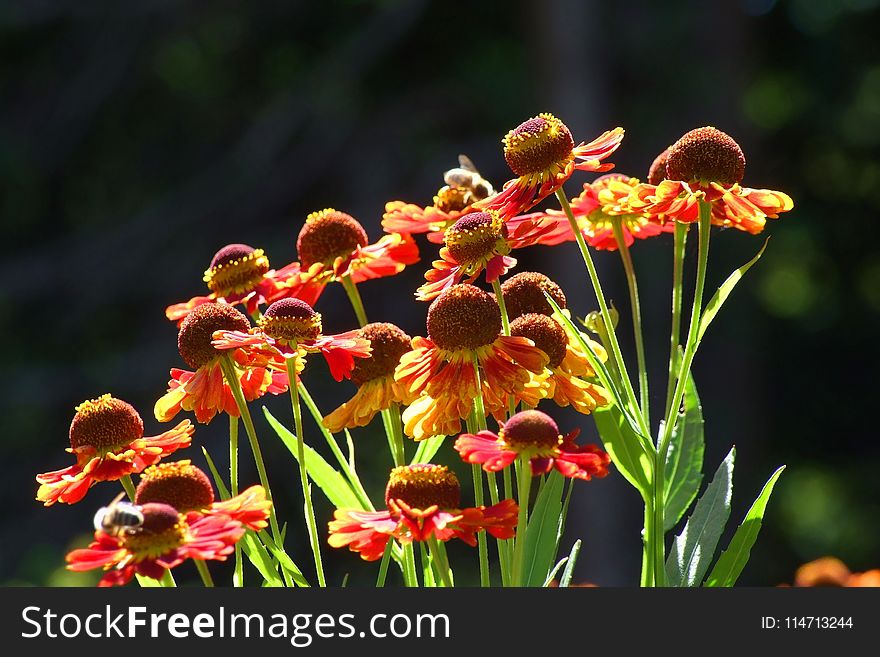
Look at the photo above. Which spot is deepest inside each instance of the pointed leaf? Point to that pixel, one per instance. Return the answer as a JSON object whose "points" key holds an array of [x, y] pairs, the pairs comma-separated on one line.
{"points": [[565, 580], [693, 550], [541, 533], [724, 291], [218, 480], [331, 482], [261, 560], [427, 449], [624, 447], [732, 561], [684, 460]]}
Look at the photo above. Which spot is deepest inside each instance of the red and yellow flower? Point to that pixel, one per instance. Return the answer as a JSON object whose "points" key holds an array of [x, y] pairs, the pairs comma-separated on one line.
{"points": [[423, 502], [464, 326], [107, 439], [163, 541], [291, 327], [187, 488], [205, 391], [708, 165], [374, 377], [535, 436], [333, 245], [542, 154], [240, 274], [478, 241], [831, 571]]}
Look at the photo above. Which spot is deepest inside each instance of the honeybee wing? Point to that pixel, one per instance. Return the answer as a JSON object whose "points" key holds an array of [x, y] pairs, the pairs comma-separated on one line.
{"points": [[117, 499], [98, 520], [465, 163]]}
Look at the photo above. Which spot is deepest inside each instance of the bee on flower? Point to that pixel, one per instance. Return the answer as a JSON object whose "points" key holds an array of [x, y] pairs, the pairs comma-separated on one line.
{"points": [[107, 439], [423, 502]]}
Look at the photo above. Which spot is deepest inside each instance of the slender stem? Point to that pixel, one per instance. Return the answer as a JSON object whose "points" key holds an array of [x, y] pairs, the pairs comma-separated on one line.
{"points": [[311, 524], [616, 354], [383, 566], [440, 561], [355, 297], [204, 573], [523, 488], [479, 416], [499, 297], [410, 577], [238, 572], [683, 371], [394, 433], [635, 306], [427, 566], [678, 251], [128, 485]]}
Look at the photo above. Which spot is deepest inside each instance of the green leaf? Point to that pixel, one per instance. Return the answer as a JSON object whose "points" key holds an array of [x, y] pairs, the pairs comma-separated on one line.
{"points": [[427, 449], [258, 556], [684, 460], [147, 582], [552, 573], [288, 565], [218, 480], [693, 550], [565, 580], [541, 533], [724, 291], [624, 447], [732, 561], [331, 483]]}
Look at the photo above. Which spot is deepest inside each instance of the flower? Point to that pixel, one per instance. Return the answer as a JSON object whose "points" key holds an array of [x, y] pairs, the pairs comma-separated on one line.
{"points": [[464, 187], [831, 571], [107, 439], [535, 436], [707, 164], [333, 245], [290, 327], [205, 390], [478, 241], [541, 152], [240, 274], [163, 541], [423, 502], [187, 488], [374, 377], [463, 326]]}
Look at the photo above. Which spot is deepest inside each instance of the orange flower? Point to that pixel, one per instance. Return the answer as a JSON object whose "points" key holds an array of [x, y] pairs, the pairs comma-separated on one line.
{"points": [[333, 244], [464, 325], [831, 571], [240, 274], [187, 488], [290, 327], [533, 434], [107, 439], [423, 502], [478, 241], [163, 540], [542, 153], [374, 377], [464, 187], [707, 164], [205, 391]]}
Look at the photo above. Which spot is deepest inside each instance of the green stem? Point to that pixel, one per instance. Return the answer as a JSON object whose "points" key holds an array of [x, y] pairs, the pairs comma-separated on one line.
{"points": [[410, 577], [499, 297], [204, 573], [167, 580], [383, 566], [129, 487], [683, 371], [438, 552], [523, 488], [635, 306], [615, 354], [238, 572], [648, 545], [678, 251], [355, 297], [311, 524]]}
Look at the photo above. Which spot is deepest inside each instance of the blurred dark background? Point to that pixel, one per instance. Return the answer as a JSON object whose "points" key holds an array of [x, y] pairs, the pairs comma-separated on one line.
{"points": [[138, 138]]}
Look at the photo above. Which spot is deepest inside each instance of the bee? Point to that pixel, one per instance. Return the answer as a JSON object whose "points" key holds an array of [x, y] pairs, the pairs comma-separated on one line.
{"points": [[119, 518], [466, 178]]}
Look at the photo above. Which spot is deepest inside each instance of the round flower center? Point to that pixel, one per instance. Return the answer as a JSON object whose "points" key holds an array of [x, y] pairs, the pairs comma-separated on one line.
{"points": [[291, 320], [706, 155], [388, 344], [422, 486], [327, 235], [236, 268], [545, 332], [452, 199], [530, 429], [163, 530], [196, 331], [475, 237], [463, 317], [538, 145], [524, 293], [179, 484], [105, 423], [657, 172]]}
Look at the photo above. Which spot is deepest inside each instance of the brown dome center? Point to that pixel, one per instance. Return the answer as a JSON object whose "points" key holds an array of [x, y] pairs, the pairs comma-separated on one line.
{"points": [[524, 293], [327, 235], [545, 332], [105, 423], [475, 237], [179, 484], [236, 268], [388, 344], [197, 330], [706, 155], [540, 144], [422, 486], [530, 429], [291, 320], [463, 317]]}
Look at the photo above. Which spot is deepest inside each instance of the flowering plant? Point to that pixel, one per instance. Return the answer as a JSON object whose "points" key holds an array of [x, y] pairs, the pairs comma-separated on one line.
{"points": [[477, 388]]}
